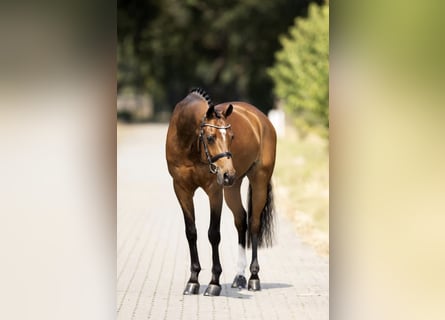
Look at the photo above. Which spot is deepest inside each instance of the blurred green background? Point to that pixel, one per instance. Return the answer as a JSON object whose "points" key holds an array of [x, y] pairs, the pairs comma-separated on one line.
{"points": [[235, 50]]}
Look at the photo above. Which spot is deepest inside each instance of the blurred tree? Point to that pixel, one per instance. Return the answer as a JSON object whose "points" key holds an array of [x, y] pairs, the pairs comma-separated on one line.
{"points": [[301, 71], [166, 47]]}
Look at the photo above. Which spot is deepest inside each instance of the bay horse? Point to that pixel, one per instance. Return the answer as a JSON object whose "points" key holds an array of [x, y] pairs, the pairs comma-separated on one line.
{"points": [[214, 148]]}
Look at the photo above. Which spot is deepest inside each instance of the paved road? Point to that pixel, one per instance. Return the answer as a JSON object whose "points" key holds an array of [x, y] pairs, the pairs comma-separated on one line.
{"points": [[153, 259]]}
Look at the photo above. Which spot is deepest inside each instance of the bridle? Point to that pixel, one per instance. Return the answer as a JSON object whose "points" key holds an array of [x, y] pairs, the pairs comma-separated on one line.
{"points": [[212, 167]]}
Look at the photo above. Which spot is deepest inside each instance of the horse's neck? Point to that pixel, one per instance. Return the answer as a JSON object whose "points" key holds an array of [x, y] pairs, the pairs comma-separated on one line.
{"points": [[187, 128]]}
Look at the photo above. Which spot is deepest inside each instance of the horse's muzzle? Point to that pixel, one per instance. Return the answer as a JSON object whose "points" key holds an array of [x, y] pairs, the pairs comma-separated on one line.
{"points": [[225, 179], [228, 180]]}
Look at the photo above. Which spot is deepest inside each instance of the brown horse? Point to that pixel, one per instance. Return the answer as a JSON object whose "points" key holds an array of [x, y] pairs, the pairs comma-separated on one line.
{"points": [[215, 147]]}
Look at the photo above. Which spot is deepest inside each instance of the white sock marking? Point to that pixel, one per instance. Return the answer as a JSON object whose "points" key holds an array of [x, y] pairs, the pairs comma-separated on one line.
{"points": [[242, 262]]}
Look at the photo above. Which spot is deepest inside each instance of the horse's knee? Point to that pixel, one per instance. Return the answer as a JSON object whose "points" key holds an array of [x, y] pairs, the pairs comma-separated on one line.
{"points": [[191, 233], [241, 222], [214, 236]]}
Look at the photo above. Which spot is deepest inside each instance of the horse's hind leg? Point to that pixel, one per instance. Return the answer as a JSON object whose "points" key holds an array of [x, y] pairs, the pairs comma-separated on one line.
{"points": [[258, 198], [215, 197], [185, 198], [233, 199]]}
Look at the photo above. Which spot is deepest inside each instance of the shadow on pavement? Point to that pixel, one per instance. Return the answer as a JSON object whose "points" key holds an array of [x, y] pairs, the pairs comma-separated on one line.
{"points": [[266, 286], [228, 291]]}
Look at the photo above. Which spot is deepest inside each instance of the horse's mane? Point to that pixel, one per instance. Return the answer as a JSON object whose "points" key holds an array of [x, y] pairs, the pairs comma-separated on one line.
{"points": [[201, 92]]}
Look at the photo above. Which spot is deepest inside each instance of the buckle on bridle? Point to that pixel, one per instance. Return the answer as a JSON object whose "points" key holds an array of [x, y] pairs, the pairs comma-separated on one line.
{"points": [[213, 168]]}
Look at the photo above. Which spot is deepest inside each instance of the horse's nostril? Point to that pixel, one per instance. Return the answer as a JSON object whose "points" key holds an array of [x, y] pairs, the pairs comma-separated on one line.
{"points": [[228, 179]]}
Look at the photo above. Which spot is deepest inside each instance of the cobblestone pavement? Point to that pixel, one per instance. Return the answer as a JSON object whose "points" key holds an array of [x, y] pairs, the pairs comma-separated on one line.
{"points": [[153, 259]]}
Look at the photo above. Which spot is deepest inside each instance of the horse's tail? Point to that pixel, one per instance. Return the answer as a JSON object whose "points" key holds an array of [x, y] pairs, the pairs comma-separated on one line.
{"points": [[265, 235]]}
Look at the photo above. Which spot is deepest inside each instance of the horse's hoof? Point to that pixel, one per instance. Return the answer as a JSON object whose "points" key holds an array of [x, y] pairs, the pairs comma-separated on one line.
{"points": [[213, 290], [191, 288], [239, 282], [254, 285]]}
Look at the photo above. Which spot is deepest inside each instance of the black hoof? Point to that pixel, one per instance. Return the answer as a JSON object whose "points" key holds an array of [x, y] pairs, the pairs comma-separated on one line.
{"points": [[213, 290], [254, 285], [239, 282], [191, 288]]}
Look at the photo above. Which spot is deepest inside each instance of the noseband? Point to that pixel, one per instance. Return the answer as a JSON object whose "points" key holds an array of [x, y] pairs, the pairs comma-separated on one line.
{"points": [[212, 167]]}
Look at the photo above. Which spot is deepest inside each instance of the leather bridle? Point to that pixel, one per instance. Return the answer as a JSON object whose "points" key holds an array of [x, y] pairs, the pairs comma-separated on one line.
{"points": [[212, 167]]}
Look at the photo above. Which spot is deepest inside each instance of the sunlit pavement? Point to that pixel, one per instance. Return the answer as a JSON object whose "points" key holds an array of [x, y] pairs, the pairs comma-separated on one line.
{"points": [[153, 260]]}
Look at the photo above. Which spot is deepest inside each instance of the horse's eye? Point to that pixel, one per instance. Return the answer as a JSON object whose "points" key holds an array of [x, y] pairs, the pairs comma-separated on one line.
{"points": [[211, 139]]}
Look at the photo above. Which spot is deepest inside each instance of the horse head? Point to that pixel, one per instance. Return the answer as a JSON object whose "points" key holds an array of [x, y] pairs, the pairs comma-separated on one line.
{"points": [[216, 137]]}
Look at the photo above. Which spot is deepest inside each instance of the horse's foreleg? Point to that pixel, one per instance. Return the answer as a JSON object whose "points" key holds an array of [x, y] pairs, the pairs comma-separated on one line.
{"points": [[241, 226], [185, 198], [214, 288], [233, 200]]}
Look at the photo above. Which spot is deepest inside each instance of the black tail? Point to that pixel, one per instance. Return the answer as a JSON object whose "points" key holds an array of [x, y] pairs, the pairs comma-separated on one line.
{"points": [[265, 236]]}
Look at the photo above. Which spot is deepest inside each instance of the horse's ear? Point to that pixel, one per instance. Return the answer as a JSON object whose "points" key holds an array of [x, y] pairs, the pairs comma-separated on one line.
{"points": [[210, 112], [228, 111]]}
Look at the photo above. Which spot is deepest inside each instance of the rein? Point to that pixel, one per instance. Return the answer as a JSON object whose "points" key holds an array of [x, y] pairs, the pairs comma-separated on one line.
{"points": [[212, 167]]}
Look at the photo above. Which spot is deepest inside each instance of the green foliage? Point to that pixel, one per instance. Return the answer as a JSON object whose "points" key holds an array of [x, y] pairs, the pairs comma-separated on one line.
{"points": [[301, 71], [165, 47]]}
